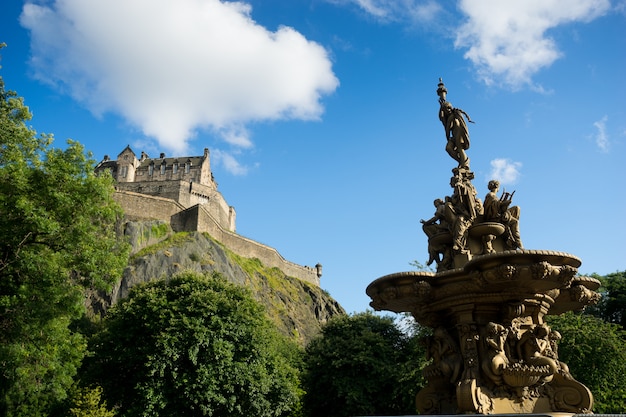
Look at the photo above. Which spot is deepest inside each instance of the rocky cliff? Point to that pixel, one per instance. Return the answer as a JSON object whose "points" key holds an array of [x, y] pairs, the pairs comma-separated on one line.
{"points": [[298, 308]]}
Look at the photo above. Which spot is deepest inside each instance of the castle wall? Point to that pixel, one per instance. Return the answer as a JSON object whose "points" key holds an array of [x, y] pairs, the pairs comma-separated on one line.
{"points": [[200, 218], [249, 248], [139, 206], [213, 202], [187, 194], [170, 189]]}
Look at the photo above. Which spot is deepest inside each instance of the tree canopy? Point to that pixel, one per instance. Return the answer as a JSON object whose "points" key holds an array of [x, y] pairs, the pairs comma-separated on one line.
{"points": [[57, 237], [595, 352], [192, 346], [362, 365], [612, 305]]}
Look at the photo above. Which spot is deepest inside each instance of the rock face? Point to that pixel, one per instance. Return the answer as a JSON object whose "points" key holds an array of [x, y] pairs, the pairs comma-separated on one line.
{"points": [[297, 307]]}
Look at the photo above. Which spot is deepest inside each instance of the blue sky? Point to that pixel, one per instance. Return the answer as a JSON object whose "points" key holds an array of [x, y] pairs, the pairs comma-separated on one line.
{"points": [[321, 115]]}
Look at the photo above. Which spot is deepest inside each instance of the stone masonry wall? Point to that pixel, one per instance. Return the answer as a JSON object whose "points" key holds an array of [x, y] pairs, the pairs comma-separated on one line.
{"points": [[187, 194], [140, 206], [198, 218], [249, 248]]}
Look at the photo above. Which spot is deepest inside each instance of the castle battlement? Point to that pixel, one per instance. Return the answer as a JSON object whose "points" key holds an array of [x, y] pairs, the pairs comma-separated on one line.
{"points": [[182, 192]]}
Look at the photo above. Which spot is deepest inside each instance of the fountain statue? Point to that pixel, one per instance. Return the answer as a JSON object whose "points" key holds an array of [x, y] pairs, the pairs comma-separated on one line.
{"points": [[490, 350]]}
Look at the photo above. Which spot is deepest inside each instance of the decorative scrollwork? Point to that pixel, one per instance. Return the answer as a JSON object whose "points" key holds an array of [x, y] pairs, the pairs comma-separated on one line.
{"points": [[421, 289], [571, 398], [389, 293]]}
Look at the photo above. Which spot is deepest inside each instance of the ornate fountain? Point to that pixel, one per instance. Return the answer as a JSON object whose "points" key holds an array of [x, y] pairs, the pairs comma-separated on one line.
{"points": [[491, 350]]}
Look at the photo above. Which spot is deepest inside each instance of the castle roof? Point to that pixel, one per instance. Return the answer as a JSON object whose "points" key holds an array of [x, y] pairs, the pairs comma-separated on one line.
{"points": [[145, 160], [194, 160]]}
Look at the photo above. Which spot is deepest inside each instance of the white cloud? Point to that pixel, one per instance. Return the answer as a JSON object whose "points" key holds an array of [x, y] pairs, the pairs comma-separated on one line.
{"points": [[376, 8], [505, 171], [172, 67], [601, 137], [415, 11], [229, 162], [508, 40]]}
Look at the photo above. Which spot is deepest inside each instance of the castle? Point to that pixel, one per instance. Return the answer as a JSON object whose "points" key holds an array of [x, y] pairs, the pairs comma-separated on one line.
{"points": [[182, 192]]}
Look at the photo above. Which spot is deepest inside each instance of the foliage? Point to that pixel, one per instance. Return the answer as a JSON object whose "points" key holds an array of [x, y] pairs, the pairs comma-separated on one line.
{"points": [[176, 239], [87, 402], [595, 352], [251, 266], [612, 306], [195, 345], [297, 307], [160, 229], [361, 365], [421, 267], [57, 237]]}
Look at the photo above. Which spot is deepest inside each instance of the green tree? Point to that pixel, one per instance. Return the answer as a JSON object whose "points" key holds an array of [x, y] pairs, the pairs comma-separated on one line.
{"points": [[362, 365], [87, 402], [57, 238], [595, 352], [612, 306], [192, 346]]}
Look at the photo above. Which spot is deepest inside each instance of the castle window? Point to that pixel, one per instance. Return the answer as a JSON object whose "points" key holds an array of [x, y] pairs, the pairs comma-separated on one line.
{"points": [[151, 168], [187, 167], [163, 168], [175, 168], [124, 171]]}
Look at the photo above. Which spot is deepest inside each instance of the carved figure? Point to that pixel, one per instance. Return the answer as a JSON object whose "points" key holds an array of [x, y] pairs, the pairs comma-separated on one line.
{"points": [[554, 338], [461, 210], [534, 349], [446, 357], [496, 209], [434, 226], [496, 359], [457, 133], [461, 222]]}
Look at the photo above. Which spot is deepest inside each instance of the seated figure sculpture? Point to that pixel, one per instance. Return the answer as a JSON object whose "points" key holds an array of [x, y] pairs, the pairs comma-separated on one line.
{"points": [[496, 209], [436, 225]]}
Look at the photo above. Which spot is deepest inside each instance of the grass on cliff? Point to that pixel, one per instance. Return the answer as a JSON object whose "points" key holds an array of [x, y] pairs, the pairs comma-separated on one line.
{"points": [[283, 294], [275, 278], [176, 240]]}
